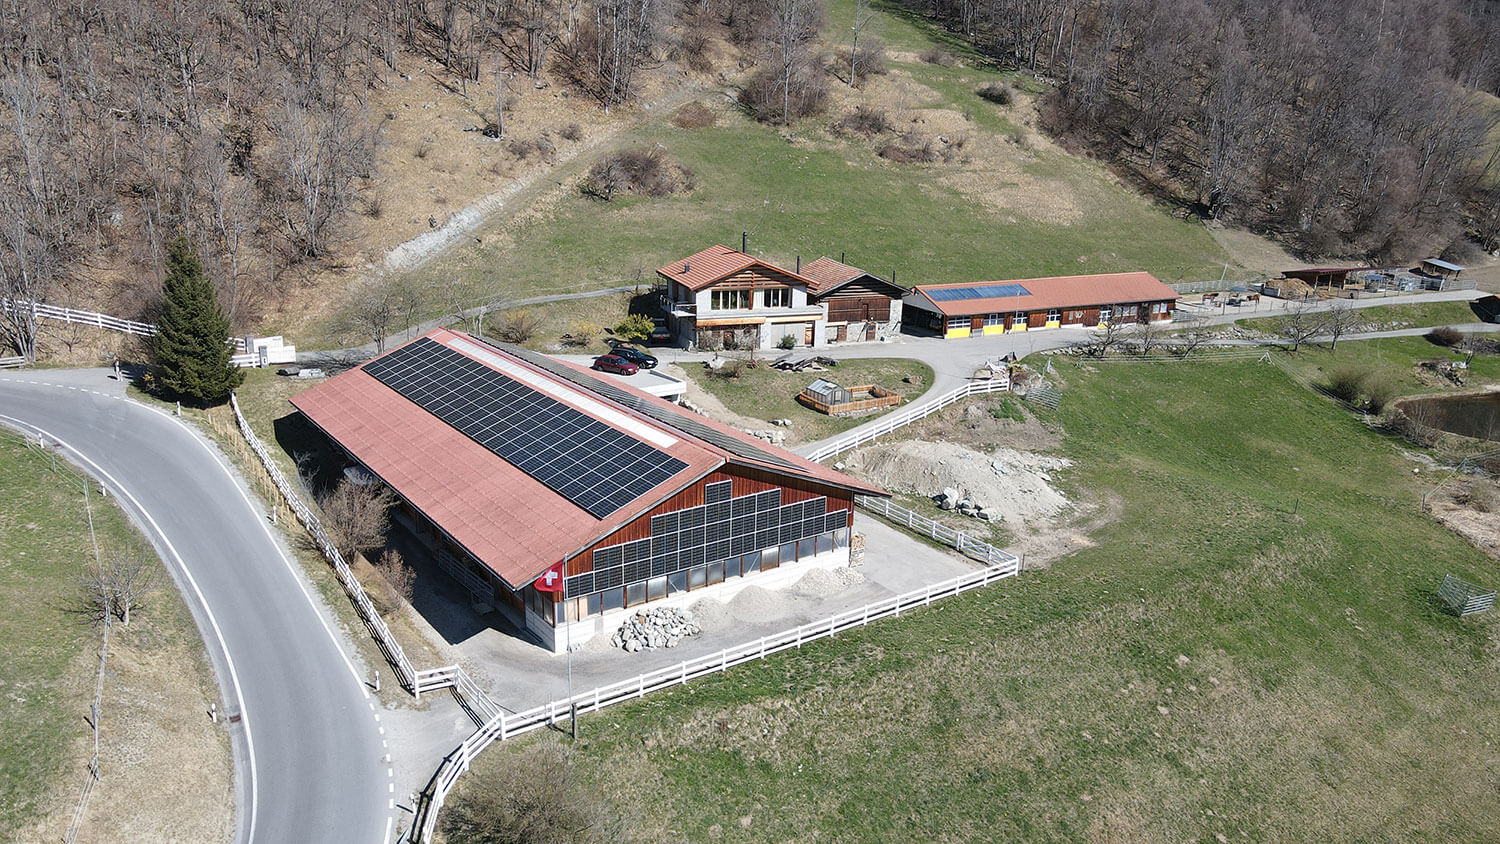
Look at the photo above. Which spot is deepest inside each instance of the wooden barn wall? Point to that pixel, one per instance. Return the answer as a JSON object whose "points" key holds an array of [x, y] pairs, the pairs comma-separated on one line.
{"points": [[756, 278], [745, 481], [851, 308]]}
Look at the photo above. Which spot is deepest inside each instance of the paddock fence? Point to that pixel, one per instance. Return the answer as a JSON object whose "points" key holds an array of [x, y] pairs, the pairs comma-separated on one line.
{"points": [[12, 363], [80, 317], [505, 726], [999, 384]]}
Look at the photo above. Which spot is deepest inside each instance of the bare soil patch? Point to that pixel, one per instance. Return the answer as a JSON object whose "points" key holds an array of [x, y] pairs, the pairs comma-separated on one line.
{"points": [[1470, 510]]}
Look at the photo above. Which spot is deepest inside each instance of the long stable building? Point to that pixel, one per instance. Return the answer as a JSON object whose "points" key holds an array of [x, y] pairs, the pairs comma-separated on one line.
{"points": [[510, 462], [998, 307]]}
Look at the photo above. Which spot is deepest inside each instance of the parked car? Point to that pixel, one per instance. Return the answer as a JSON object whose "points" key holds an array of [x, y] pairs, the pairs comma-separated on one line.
{"points": [[632, 354], [659, 332], [616, 364]]}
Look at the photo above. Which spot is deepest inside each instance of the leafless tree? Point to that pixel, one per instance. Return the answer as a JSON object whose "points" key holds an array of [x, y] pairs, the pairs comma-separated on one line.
{"points": [[1341, 318], [117, 587], [397, 574], [357, 515], [1301, 322], [1109, 337], [1146, 336], [372, 310], [862, 17]]}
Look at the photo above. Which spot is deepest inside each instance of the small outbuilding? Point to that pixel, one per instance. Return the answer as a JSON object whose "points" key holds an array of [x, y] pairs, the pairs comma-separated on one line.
{"points": [[860, 304], [1438, 268]]}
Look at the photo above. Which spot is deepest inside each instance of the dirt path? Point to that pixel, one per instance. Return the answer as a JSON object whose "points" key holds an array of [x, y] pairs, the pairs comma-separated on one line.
{"points": [[517, 196]]}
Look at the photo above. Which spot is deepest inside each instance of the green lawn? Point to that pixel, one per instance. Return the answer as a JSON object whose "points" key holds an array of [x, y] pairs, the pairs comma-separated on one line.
{"points": [[1252, 652], [48, 647], [1392, 358], [1410, 316], [765, 393]]}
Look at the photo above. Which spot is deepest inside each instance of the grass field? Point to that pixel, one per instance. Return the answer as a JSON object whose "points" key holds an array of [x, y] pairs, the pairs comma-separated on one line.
{"points": [[1394, 358], [1252, 652], [1411, 316], [157, 686], [764, 393]]}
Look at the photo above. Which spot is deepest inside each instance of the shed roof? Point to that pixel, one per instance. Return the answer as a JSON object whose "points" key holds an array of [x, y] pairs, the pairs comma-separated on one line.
{"points": [[828, 275], [716, 263], [1444, 265], [512, 522], [1035, 294]]}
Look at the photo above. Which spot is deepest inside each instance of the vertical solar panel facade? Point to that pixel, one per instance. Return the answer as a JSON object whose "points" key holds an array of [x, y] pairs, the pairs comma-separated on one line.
{"points": [[718, 538]]}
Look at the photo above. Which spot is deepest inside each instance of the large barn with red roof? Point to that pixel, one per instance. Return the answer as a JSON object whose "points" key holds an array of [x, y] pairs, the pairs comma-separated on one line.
{"points": [[999, 307], [525, 472]]}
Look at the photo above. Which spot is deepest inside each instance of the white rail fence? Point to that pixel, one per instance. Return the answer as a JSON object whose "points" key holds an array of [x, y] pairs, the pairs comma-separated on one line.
{"points": [[505, 726], [12, 363], [999, 384], [266, 350], [917, 523], [74, 315]]}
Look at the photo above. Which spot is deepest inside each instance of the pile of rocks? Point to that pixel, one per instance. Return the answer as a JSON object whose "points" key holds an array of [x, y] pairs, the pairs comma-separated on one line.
{"points": [[951, 499], [662, 627], [772, 437]]}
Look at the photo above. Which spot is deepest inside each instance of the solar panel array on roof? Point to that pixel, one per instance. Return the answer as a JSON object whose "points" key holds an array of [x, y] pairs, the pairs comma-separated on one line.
{"points": [[681, 421], [580, 458], [979, 291]]}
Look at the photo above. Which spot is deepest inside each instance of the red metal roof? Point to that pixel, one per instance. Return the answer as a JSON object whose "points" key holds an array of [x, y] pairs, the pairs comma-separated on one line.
{"points": [[514, 524], [716, 263], [1073, 291]]}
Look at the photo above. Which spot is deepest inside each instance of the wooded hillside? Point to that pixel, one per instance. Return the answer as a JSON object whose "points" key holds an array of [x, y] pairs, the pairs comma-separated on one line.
{"points": [[1346, 126]]}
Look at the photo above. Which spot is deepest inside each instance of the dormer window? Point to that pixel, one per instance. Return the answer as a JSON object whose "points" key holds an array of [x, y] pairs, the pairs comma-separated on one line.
{"points": [[779, 297]]}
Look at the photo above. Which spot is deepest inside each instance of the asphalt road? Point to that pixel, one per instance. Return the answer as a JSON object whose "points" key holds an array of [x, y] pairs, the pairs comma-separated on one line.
{"points": [[307, 741]]}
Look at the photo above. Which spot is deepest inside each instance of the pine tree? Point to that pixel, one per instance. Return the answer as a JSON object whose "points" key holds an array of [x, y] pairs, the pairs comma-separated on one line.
{"points": [[192, 356]]}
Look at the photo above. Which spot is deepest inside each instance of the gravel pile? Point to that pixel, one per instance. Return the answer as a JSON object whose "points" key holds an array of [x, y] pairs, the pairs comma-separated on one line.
{"points": [[662, 627], [1013, 486]]}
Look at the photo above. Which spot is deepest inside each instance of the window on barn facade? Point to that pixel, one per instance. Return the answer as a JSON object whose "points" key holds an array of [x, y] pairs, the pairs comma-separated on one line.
{"points": [[779, 297], [1019, 318], [730, 300], [957, 322], [1159, 307], [1105, 313], [1075, 316], [1052, 316], [994, 319]]}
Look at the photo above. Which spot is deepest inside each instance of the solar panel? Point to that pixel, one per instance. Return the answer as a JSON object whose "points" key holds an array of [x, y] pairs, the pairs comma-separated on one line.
{"points": [[681, 421], [597, 467], [978, 291]]}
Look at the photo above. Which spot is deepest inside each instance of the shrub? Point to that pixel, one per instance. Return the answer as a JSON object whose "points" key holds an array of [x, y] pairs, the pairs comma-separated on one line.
{"points": [[397, 583], [730, 369], [636, 327], [998, 93], [1346, 384], [787, 341], [1446, 335], [1379, 391], [645, 172], [583, 332], [695, 50], [520, 149], [939, 56], [864, 120], [424, 148], [869, 60], [911, 148], [570, 132], [1483, 496], [532, 799], [694, 116], [518, 326], [762, 95]]}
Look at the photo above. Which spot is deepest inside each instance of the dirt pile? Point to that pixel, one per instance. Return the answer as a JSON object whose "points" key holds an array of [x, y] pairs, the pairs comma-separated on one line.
{"points": [[1016, 484]]}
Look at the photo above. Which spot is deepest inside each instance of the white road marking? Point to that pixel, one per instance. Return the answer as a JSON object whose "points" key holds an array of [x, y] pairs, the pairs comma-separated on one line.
{"points": [[208, 612]]}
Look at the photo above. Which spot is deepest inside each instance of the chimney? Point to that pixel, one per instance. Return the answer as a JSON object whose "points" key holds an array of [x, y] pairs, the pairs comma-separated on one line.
{"points": [[686, 267], [893, 275], [744, 241], [841, 258], [799, 263]]}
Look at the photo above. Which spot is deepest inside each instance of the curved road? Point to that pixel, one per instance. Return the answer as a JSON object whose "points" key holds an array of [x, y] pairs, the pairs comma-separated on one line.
{"points": [[307, 741]]}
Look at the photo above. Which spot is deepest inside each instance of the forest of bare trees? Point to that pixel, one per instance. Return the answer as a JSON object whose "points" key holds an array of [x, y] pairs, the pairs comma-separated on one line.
{"points": [[1342, 126], [243, 124]]}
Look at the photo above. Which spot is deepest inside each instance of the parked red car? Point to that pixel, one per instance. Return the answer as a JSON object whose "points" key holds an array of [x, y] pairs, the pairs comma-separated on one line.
{"points": [[616, 364]]}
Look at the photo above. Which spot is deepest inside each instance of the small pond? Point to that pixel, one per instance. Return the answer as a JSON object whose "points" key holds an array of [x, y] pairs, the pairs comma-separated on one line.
{"points": [[1472, 415]]}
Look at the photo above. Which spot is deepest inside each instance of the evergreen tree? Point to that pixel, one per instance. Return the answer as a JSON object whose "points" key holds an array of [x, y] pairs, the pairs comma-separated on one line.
{"points": [[192, 356]]}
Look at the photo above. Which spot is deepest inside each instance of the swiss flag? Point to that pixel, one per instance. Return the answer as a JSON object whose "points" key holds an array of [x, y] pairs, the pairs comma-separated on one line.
{"points": [[551, 579]]}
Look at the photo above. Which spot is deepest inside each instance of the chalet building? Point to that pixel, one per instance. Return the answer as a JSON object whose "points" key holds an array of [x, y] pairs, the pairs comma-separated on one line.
{"points": [[563, 498], [861, 305], [999, 307], [721, 298]]}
